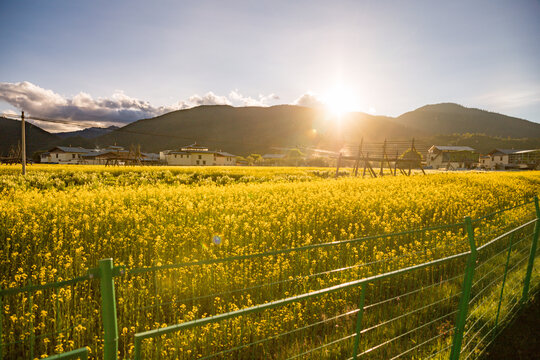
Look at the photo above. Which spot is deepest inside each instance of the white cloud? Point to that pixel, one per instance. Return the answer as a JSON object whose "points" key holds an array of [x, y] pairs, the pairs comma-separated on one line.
{"points": [[9, 112], [117, 110], [195, 100], [263, 100], [120, 108], [40, 102], [309, 99]]}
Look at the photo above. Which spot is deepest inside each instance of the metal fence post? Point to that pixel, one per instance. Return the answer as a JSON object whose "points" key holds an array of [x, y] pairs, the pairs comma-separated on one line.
{"points": [[359, 320], [527, 281], [465, 293], [108, 309]]}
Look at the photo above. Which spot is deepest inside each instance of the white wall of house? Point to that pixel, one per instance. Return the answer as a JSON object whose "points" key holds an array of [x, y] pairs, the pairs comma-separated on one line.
{"points": [[61, 157], [485, 162], [197, 158], [177, 159], [434, 160], [225, 160], [190, 159], [436, 163], [202, 158], [46, 158], [499, 160]]}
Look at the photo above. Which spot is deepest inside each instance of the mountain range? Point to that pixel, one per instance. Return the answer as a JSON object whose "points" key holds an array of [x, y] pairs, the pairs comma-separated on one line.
{"points": [[245, 130], [88, 133]]}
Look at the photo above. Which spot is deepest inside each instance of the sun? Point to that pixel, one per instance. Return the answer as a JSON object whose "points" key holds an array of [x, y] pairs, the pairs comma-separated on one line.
{"points": [[340, 100]]}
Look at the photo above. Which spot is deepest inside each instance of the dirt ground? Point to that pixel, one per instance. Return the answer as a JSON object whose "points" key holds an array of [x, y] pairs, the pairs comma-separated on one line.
{"points": [[521, 340]]}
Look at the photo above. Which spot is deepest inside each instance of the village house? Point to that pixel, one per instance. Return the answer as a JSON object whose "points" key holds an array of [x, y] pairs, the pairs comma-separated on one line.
{"points": [[224, 158], [117, 155], [64, 155], [451, 157], [499, 158], [103, 157], [525, 159], [197, 155], [502, 159], [111, 155], [485, 162]]}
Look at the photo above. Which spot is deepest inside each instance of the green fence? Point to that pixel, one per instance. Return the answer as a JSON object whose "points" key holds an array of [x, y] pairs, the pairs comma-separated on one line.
{"points": [[440, 292]]}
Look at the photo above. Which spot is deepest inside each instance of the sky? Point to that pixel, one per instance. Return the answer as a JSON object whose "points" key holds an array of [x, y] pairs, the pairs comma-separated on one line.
{"points": [[105, 62]]}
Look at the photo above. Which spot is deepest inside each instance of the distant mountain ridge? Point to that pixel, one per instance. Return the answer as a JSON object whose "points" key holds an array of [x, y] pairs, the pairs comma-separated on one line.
{"points": [[450, 118], [88, 133], [10, 136], [258, 129], [244, 130]]}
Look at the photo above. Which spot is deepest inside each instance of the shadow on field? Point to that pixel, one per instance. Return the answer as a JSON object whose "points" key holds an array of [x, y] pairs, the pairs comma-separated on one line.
{"points": [[519, 341]]}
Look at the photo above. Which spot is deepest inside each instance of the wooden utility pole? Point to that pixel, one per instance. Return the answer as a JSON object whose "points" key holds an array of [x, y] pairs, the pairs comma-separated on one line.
{"points": [[23, 142]]}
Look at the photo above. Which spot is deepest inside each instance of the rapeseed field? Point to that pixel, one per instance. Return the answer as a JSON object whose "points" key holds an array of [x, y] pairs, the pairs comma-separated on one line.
{"points": [[59, 221]]}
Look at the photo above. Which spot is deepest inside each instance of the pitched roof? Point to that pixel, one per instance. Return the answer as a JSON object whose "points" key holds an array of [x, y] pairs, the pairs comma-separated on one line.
{"points": [[187, 152], [195, 151], [194, 146], [151, 155], [453, 148], [71, 149], [525, 151], [174, 152], [98, 152], [223, 153], [503, 151]]}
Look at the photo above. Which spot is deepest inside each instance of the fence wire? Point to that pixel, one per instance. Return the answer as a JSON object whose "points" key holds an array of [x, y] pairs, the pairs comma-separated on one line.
{"points": [[389, 296]]}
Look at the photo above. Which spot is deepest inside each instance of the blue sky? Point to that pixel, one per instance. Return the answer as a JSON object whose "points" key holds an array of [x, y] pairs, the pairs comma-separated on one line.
{"points": [[130, 59]]}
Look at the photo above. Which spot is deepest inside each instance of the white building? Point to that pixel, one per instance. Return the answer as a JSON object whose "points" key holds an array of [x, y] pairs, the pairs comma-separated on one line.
{"points": [[64, 155], [502, 159], [78, 155], [197, 155], [451, 157], [224, 158], [485, 162], [499, 158]]}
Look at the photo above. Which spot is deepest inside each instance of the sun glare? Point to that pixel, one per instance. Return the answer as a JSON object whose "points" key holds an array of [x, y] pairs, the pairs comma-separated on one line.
{"points": [[341, 100]]}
